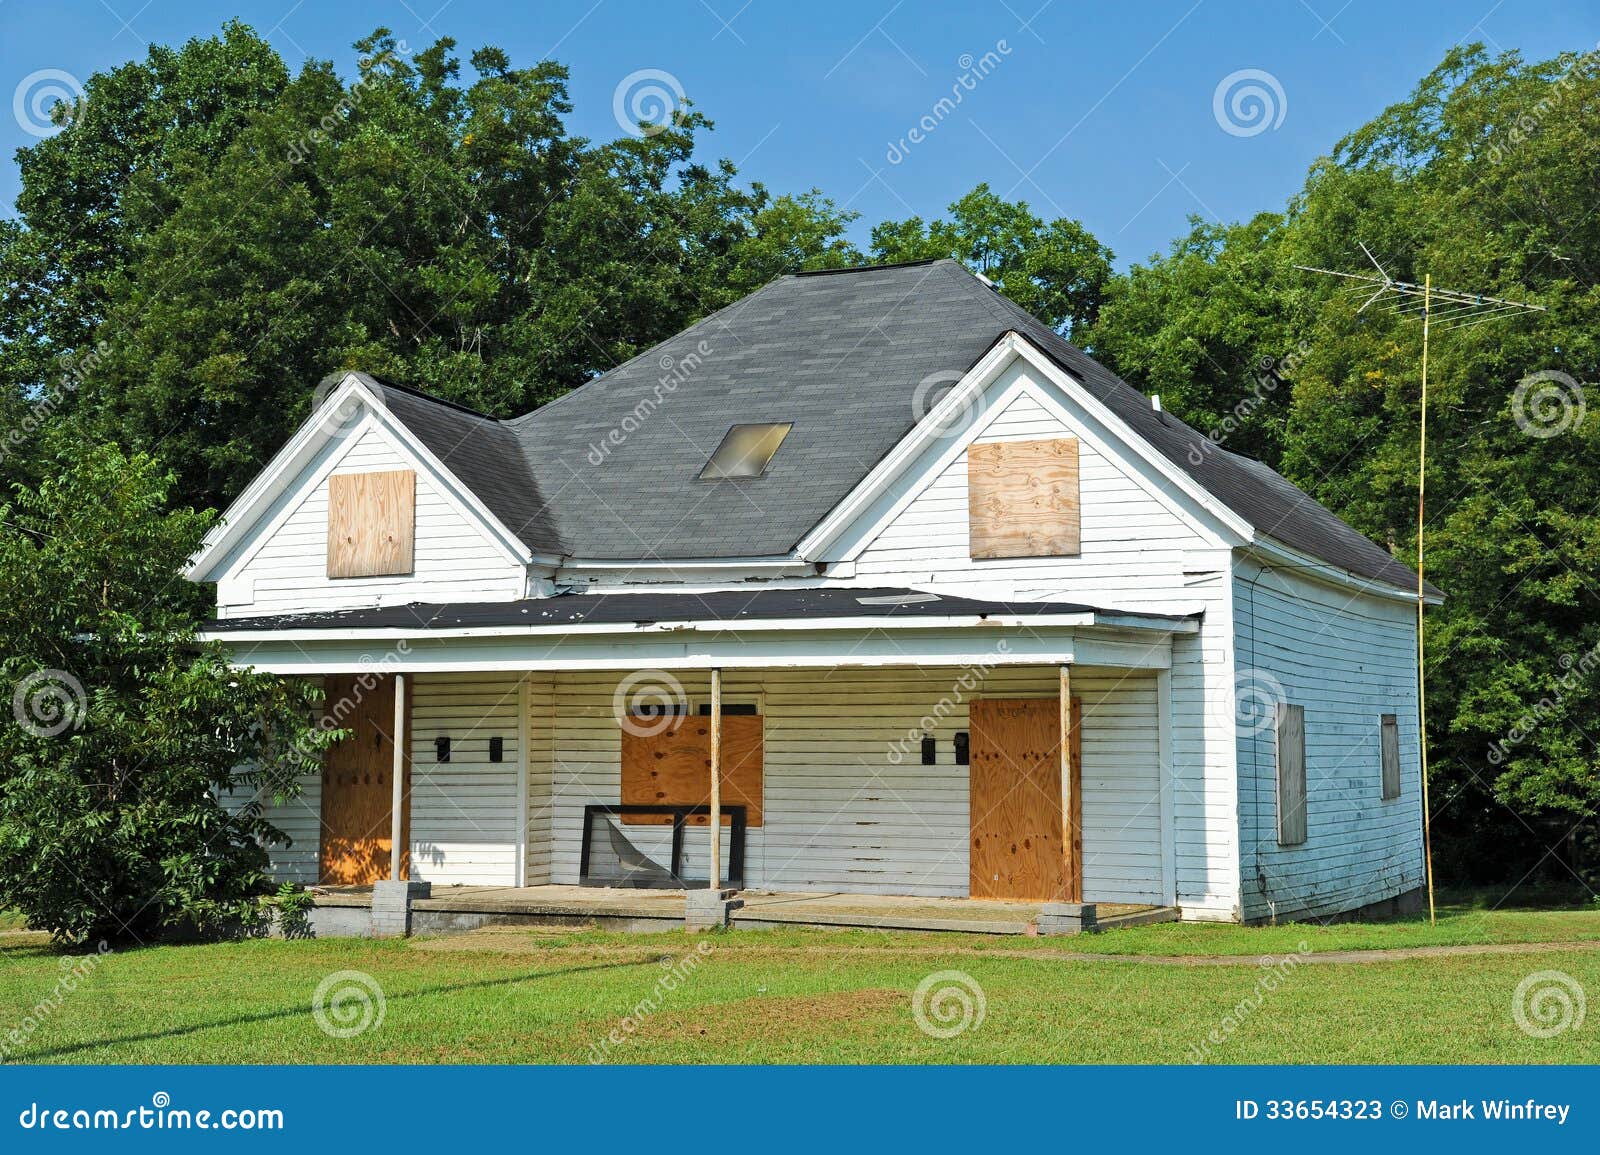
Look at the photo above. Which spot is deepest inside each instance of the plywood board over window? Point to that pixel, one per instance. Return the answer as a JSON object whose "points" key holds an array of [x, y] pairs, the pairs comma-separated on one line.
{"points": [[1022, 498], [1389, 744], [1291, 774], [372, 519], [668, 763]]}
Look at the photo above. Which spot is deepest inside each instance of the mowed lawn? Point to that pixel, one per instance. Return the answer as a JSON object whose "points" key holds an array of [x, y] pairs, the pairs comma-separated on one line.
{"points": [[525, 996]]}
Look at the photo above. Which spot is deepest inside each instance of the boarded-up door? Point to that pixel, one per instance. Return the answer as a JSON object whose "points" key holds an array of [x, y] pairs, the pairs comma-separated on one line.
{"points": [[358, 783], [1019, 804]]}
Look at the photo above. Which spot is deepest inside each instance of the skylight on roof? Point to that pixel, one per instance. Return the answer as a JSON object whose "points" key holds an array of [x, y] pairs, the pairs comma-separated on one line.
{"points": [[746, 450]]}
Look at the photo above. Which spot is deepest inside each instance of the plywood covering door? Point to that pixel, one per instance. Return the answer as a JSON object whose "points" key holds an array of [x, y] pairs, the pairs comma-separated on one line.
{"points": [[357, 781], [1020, 806]]}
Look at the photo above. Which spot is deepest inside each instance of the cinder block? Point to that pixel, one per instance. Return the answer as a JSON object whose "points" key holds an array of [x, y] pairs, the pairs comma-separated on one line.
{"points": [[708, 909], [1068, 918], [391, 906]]}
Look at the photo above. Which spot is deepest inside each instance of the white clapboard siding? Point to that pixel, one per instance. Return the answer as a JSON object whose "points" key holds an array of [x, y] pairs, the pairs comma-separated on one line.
{"points": [[541, 729], [300, 819], [1348, 660], [454, 560], [848, 805], [1136, 553], [465, 813]]}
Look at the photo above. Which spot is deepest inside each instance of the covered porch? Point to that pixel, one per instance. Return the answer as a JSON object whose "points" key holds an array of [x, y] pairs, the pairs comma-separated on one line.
{"points": [[889, 757]]}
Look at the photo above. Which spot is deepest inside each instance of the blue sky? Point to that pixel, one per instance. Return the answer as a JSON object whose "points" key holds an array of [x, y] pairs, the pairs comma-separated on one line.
{"points": [[1107, 113]]}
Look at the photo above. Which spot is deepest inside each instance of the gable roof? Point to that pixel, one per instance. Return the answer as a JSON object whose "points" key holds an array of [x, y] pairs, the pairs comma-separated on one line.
{"points": [[611, 470]]}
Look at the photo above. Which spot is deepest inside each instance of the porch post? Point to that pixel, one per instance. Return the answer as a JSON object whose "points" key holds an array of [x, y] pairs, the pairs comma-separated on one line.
{"points": [[714, 874], [398, 778], [1071, 837]]}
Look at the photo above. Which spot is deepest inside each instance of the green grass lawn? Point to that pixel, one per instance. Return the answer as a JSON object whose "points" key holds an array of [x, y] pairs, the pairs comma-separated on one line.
{"points": [[818, 996]]}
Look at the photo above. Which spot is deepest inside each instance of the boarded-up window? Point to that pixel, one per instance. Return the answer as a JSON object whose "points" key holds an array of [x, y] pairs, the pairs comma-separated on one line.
{"points": [[1291, 774], [1389, 731], [371, 523], [1022, 498]]}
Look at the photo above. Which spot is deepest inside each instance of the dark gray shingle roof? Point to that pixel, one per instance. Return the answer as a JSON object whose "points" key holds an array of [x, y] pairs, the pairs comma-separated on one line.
{"points": [[752, 605], [609, 471]]}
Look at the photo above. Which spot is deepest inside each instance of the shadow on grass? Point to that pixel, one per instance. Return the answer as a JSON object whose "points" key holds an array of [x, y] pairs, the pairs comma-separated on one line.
{"points": [[299, 1011]]}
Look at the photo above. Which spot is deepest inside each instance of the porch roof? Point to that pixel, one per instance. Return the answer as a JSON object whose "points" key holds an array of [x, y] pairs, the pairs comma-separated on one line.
{"points": [[772, 608]]}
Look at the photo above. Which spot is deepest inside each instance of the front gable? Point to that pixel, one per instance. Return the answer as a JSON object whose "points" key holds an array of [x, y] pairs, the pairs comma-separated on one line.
{"points": [[1113, 521], [352, 514]]}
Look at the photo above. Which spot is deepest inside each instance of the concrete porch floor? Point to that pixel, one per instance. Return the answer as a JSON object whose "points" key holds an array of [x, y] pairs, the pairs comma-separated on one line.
{"points": [[465, 907]]}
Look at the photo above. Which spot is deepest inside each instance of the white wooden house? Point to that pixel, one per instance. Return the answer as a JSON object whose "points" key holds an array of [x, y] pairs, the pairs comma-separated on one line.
{"points": [[896, 522]]}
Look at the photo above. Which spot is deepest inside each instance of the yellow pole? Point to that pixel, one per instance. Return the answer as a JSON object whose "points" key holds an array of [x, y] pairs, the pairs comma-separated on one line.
{"points": [[1422, 680]]}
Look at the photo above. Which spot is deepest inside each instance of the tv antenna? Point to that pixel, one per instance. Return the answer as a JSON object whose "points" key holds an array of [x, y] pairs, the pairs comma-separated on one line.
{"points": [[1456, 309]]}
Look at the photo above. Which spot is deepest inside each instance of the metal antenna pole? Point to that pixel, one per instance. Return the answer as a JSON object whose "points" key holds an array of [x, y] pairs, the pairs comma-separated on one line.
{"points": [[1462, 310], [1422, 680]]}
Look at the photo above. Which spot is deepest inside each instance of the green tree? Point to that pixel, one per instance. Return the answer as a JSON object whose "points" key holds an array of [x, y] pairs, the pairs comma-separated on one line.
{"points": [[124, 733], [1484, 178], [1057, 271], [449, 233]]}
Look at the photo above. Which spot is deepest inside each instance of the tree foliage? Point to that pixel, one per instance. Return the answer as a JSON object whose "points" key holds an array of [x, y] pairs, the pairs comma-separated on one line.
{"points": [[211, 236], [1057, 271], [124, 736], [1484, 178]]}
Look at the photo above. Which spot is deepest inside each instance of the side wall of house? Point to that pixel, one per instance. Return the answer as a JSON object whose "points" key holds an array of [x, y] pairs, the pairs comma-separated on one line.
{"points": [[1348, 659], [1137, 552], [287, 572]]}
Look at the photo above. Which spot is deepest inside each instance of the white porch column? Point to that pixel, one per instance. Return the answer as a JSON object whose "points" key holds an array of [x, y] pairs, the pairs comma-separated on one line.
{"points": [[1071, 836], [714, 873], [398, 776]]}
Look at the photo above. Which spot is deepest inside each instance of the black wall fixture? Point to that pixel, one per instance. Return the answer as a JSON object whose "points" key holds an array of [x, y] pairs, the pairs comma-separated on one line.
{"points": [[963, 748], [930, 749], [441, 749], [497, 749]]}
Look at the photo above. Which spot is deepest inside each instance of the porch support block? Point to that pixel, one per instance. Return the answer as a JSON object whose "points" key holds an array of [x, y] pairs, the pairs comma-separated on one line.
{"points": [[391, 906], [1068, 918], [709, 909]]}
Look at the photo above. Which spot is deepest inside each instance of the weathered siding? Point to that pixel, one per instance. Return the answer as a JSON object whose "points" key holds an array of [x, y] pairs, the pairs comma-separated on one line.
{"points": [[844, 811], [301, 819], [541, 730], [454, 560], [1348, 659], [1137, 552], [464, 813]]}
